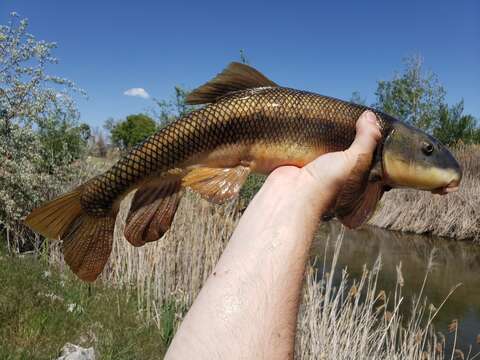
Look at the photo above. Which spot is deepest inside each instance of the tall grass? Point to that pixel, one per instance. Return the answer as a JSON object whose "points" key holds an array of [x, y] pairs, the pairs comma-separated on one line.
{"points": [[345, 319], [456, 215], [357, 320], [171, 272]]}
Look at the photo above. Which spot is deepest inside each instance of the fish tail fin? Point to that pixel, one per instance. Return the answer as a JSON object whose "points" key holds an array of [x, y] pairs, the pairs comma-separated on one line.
{"points": [[53, 219], [88, 244], [87, 240]]}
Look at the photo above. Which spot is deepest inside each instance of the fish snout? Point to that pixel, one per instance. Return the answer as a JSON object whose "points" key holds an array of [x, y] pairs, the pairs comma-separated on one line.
{"points": [[452, 186], [453, 173]]}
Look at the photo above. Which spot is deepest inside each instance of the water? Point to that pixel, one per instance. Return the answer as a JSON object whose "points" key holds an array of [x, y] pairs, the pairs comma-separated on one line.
{"points": [[455, 263]]}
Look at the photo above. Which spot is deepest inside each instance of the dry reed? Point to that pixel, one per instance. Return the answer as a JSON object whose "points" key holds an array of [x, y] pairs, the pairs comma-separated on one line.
{"points": [[175, 268], [456, 215], [357, 320], [352, 320]]}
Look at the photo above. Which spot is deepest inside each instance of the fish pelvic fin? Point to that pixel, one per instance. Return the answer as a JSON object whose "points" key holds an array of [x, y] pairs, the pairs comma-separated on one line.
{"points": [[155, 203], [87, 240], [235, 77], [359, 197], [153, 209], [217, 185]]}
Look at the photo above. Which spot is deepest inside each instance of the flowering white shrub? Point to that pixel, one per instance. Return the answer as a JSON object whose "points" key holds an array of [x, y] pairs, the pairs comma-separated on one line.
{"points": [[27, 179], [39, 135]]}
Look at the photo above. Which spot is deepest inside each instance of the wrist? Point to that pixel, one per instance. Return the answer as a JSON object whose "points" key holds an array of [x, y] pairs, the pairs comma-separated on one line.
{"points": [[290, 195]]}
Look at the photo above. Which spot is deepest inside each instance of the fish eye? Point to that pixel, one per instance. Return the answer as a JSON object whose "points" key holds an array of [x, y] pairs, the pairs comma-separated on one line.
{"points": [[427, 148]]}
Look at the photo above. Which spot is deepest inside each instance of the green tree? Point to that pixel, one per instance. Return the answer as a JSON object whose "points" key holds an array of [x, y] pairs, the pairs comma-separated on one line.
{"points": [[452, 126], [414, 96], [110, 124], [62, 142], [243, 57], [131, 131], [167, 111], [357, 98]]}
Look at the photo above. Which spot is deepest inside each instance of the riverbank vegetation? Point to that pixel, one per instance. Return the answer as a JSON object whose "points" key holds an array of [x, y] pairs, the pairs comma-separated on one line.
{"points": [[351, 318], [42, 308]]}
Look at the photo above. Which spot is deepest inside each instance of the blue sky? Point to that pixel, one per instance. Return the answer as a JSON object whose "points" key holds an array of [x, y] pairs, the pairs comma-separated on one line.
{"points": [[331, 47]]}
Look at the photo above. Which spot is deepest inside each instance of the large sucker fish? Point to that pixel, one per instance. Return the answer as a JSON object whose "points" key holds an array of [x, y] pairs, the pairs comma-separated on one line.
{"points": [[247, 124]]}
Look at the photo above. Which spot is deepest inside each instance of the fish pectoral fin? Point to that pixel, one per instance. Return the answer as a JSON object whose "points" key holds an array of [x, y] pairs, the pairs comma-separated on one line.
{"points": [[153, 209], [362, 208], [358, 198], [234, 78], [217, 184]]}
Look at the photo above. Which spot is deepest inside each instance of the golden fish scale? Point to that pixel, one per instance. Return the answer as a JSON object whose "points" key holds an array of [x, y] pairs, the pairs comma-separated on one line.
{"points": [[262, 116]]}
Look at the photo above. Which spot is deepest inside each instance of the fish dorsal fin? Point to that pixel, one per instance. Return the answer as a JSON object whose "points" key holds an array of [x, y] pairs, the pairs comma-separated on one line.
{"points": [[359, 196], [234, 78], [217, 184]]}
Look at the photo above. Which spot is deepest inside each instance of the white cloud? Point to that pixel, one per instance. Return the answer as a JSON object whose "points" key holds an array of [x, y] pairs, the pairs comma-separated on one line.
{"points": [[140, 92]]}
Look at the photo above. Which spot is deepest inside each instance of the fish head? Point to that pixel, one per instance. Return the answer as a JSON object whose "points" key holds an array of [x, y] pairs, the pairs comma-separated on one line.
{"points": [[412, 158]]}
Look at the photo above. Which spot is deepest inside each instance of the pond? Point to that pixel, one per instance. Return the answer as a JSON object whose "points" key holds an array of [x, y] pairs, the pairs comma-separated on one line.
{"points": [[454, 263]]}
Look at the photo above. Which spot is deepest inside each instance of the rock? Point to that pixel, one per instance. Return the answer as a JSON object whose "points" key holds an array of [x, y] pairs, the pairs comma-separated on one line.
{"points": [[75, 352]]}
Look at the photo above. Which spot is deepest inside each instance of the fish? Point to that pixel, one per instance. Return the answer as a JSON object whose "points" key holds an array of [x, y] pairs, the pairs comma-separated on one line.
{"points": [[244, 123]]}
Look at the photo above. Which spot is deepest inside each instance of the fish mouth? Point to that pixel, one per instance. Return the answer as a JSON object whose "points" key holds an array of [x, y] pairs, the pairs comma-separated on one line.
{"points": [[451, 187]]}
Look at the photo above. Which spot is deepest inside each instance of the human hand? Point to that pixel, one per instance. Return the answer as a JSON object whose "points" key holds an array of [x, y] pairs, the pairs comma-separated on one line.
{"points": [[319, 182]]}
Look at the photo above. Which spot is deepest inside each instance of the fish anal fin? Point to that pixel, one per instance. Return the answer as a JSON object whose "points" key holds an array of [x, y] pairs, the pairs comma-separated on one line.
{"points": [[217, 185], [153, 210], [235, 77], [358, 198], [163, 217]]}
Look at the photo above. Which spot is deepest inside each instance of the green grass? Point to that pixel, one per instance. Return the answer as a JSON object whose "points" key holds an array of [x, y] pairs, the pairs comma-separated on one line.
{"points": [[253, 183], [42, 309]]}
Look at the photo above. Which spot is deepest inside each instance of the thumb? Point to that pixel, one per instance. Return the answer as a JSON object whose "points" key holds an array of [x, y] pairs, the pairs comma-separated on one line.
{"points": [[366, 138], [340, 164]]}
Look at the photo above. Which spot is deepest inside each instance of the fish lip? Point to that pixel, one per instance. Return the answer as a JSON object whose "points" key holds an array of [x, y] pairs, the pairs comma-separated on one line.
{"points": [[451, 187]]}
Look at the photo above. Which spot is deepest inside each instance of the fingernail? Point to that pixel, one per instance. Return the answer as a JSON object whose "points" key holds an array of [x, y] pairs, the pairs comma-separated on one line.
{"points": [[371, 116]]}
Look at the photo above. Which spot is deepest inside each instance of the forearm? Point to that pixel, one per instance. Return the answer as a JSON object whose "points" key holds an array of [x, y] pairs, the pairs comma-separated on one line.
{"points": [[248, 307]]}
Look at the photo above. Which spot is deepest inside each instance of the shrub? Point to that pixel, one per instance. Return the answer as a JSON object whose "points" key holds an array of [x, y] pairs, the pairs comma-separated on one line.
{"points": [[39, 136], [27, 179]]}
